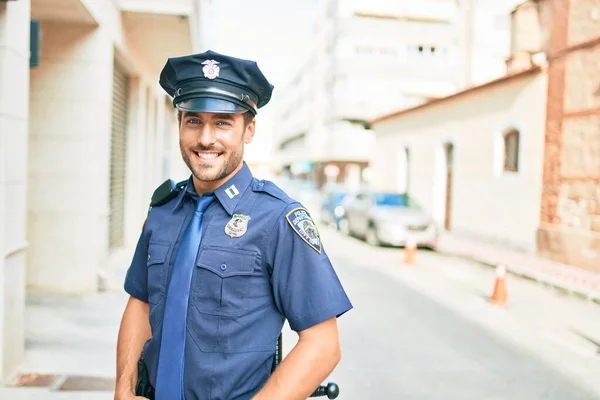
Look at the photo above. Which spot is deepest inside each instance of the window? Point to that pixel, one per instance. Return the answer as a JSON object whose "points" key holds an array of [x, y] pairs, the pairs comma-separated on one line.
{"points": [[511, 151], [427, 50]]}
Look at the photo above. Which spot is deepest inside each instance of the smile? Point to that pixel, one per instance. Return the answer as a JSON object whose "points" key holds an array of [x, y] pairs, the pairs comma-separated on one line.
{"points": [[203, 155]]}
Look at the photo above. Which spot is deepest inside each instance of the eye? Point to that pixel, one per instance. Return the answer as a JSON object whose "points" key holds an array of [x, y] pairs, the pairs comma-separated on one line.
{"points": [[193, 121], [223, 123]]}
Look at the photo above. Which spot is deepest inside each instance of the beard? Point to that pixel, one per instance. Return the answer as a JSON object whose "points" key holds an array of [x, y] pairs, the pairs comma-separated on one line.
{"points": [[210, 171]]}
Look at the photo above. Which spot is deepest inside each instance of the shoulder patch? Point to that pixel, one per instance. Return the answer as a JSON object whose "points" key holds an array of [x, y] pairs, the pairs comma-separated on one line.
{"points": [[302, 223]]}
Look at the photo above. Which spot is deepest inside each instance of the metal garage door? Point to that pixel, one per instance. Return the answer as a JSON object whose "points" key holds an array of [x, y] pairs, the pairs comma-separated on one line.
{"points": [[118, 157]]}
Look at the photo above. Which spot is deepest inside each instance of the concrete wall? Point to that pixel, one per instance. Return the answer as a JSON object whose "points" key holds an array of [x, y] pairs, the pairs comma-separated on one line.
{"points": [[487, 202], [71, 96], [14, 81], [71, 106]]}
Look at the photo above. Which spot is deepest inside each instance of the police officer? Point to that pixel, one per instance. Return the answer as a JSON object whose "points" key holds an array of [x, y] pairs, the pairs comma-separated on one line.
{"points": [[224, 259]]}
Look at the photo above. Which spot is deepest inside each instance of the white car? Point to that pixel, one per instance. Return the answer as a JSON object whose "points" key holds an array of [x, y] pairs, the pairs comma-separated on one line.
{"points": [[384, 218]]}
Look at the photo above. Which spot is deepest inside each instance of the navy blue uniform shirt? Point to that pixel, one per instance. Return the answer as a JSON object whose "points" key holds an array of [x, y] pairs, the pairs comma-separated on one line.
{"points": [[260, 262]]}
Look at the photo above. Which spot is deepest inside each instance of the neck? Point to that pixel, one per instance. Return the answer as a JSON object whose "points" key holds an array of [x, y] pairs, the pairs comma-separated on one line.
{"points": [[202, 187]]}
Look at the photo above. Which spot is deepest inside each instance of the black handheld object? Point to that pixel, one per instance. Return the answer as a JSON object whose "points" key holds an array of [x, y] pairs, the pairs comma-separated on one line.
{"points": [[165, 192], [143, 386], [331, 390]]}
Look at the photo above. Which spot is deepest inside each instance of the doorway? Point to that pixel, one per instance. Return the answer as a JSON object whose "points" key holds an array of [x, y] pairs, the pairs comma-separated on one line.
{"points": [[403, 175], [449, 158]]}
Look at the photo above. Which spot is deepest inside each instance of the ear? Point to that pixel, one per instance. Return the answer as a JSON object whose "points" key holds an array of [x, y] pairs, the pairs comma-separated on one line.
{"points": [[249, 132]]}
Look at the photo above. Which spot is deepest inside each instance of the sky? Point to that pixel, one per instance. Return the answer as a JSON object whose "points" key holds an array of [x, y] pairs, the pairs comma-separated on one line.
{"points": [[276, 33]]}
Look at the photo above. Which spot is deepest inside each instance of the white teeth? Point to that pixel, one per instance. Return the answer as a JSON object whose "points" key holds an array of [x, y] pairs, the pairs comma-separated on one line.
{"points": [[208, 156]]}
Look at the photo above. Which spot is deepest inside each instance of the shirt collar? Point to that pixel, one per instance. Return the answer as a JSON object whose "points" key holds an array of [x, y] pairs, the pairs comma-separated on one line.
{"points": [[228, 194]]}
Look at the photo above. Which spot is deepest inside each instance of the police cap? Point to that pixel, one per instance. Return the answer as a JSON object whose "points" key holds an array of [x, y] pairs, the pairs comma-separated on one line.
{"points": [[216, 83]]}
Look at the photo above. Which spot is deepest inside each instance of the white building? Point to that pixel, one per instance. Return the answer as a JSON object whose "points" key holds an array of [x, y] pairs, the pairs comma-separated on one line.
{"points": [[484, 40], [369, 58], [85, 137]]}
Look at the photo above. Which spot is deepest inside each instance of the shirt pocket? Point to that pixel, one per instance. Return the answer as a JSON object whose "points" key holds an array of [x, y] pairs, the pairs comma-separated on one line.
{"points": [[157, 270], [223, 278]]}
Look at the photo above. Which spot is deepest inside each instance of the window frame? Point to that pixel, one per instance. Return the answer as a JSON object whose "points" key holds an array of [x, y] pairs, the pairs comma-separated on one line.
{"points": [[508, 147]]}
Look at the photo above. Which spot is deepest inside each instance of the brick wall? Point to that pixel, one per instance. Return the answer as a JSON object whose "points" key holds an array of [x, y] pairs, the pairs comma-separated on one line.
{"points": [[584, 18], [570, 218]]}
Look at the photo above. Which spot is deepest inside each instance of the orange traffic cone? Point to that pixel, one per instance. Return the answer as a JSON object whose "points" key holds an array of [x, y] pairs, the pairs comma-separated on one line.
{"points": [[500, 296], [410, 250]]}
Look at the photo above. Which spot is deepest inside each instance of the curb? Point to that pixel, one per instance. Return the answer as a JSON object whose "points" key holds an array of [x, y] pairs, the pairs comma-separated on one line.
{"points": [[592, 296]]}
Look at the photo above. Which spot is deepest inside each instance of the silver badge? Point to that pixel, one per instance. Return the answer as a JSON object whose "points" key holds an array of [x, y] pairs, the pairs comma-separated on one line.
{"points": [[211, 69], [237, 225]]}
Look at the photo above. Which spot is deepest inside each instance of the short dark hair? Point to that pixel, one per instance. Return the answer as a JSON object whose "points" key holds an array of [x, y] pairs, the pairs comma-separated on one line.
{"points": [[248, 117]]}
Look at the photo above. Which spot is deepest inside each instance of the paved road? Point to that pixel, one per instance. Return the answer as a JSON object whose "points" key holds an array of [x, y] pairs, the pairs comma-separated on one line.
{"points": [[399, 344]]}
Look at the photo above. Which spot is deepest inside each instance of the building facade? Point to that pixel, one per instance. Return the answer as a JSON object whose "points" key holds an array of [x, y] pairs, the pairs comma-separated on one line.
{"points": [[516, 161], [570, 218], [86, 134], [372, 58], [450, 154], [369, 58]]}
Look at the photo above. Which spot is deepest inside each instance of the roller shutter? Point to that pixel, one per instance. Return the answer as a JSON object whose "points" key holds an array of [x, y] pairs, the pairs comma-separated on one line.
{"points": [[118, 157]]}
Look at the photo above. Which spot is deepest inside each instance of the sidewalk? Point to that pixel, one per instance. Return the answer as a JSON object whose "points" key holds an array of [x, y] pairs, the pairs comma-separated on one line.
{"points": [[70, 348], [562, 276]]}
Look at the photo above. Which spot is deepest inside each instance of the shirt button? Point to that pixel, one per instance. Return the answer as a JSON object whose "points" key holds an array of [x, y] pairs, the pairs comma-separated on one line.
{"points": [[223, 267]]}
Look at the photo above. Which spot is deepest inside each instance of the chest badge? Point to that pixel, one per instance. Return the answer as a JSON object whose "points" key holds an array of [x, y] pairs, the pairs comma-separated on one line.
{"points": [[237, 225]]}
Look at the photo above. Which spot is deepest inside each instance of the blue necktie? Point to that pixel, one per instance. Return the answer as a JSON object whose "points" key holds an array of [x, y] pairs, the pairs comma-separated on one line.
{"points": [[169, 377]]}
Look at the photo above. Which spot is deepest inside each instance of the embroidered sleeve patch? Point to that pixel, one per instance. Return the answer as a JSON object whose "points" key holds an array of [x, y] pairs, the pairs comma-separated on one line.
{"points": [[302, 223]]}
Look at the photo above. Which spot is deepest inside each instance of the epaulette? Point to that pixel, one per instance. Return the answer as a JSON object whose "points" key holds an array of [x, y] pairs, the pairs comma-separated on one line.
{"points": [[272, 189], [165, 192]]}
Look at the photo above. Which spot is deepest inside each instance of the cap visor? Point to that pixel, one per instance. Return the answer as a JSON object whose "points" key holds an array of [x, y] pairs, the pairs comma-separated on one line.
{"points": [[210, 105]]}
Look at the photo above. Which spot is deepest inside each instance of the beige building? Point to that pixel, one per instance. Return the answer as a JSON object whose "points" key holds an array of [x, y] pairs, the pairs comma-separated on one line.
{"points": [[86, 134], [514, 161], [450, 156]]}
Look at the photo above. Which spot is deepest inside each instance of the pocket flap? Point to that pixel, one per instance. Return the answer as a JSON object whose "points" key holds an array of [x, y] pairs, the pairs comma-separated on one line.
{"points": [[227, 262], [157, 252]]}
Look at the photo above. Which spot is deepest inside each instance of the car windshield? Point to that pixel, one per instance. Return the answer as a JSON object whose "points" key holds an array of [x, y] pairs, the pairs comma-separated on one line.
{"points": [[391, 199]]}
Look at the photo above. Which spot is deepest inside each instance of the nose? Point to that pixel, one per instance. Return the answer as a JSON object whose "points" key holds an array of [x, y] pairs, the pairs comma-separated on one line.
{"points": [[207, 136]]}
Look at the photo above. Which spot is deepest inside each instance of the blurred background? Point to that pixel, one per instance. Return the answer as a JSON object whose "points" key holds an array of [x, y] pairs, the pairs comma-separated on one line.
{"points": [[438, 143]]}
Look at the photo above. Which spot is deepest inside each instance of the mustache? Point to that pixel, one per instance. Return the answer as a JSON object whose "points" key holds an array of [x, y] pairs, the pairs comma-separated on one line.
{"points": [[208, 149]]}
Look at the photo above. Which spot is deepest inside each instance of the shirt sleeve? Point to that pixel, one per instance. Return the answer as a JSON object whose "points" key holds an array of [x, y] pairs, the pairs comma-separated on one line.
{"points": [[306, 287], [136, 280]]}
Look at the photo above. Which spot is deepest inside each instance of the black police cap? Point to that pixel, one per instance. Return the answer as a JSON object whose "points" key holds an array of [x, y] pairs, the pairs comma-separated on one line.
{"points": [[216, 83]]}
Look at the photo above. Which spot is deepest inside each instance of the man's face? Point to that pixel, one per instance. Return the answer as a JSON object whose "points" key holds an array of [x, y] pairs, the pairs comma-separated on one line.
{"points": [[212, 145]]}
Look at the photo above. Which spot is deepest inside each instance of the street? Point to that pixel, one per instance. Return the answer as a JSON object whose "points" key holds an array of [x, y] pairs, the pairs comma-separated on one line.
{"points": [[428, 332], [423, 331]]}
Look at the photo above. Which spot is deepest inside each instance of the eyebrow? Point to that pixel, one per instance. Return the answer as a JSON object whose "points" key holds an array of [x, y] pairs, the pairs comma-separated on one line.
{"points": [[214, 116]]}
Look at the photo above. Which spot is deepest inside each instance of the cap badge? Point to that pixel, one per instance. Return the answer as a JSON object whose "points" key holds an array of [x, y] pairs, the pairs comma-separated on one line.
{"points": [[211, 69], [237, 225]]}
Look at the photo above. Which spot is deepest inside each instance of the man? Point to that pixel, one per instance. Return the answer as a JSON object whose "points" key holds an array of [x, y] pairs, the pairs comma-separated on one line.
{"points": [[225, 260]]}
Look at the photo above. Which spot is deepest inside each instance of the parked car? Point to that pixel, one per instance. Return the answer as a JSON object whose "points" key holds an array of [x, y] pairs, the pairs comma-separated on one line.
{"points": [[332, 208], [387, 218]]}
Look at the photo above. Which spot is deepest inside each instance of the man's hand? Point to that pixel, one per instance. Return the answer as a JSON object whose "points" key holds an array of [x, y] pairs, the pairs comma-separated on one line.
{"points": [[312, 359], [129, 396]]}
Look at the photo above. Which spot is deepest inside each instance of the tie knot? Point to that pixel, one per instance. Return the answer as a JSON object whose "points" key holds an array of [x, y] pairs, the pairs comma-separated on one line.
{"points": [[204, 201]]}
